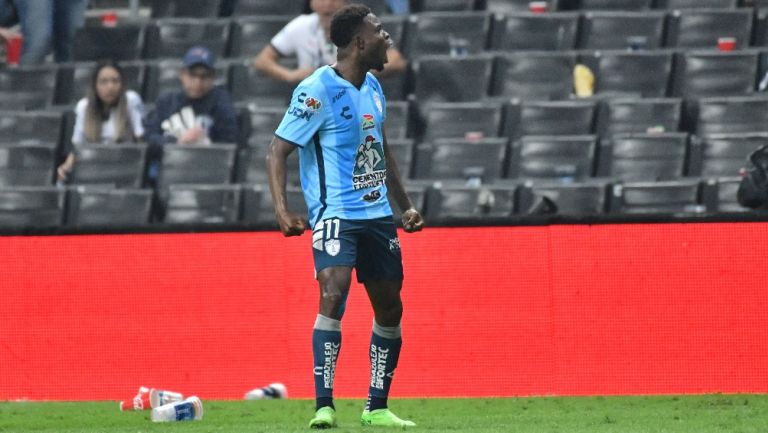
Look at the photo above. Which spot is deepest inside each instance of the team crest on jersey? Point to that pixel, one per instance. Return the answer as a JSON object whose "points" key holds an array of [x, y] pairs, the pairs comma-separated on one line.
{"points": [[377, 101], [332, 247], [368, 122], [370, 167], [312, 103]]}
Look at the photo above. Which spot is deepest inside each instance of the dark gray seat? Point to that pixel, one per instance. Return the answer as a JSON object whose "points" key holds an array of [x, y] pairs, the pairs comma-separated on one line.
{"points": [[214, 204], [530, 31], [549, 118], [696, 4], [185, 8], [616, 72], [719, 195], [448, 79], [711, 73], [620, 5], [31, 126], [460, 159], [458, 120], [27, 87], [535, 75], [515, 6], [631, 115], [620, 30], [119, 165], [451, 202], [438, 32], [570, 199], [258, 207], [443, 5], [722, 155], [31, 206], [251, 34], [27, 164], [678, 196], [268, 7], [172, 37], [643, 157], [402, 150], [554, 158], [254, 86], [197, 164], [398, 124], [731, 115], [99, 206], [701, 28], [124, 42]]}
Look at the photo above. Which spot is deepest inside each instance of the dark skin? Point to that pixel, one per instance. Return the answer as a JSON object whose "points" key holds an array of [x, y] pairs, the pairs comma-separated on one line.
{"points": [[368, 50]]}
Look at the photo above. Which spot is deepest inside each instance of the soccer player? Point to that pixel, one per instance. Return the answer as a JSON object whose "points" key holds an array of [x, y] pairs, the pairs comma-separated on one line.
{"points": [[335, 119]]}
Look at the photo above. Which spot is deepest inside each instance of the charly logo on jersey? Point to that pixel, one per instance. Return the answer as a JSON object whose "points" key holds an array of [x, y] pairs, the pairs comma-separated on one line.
{"points": [[368, 122], [370, 167], [377, 101]]}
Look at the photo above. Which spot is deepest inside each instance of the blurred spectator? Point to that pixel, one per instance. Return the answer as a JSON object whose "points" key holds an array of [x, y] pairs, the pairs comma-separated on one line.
{"points": [[46, 22], [199, 113], [307, 37], [109, 113]]}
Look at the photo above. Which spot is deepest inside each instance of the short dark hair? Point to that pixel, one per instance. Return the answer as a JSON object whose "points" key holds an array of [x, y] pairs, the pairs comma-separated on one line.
{"points": [[345, 23]]}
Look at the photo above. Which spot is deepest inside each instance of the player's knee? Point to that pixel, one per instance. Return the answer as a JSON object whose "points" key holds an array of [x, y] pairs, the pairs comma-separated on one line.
{"points": [[332, 297]]}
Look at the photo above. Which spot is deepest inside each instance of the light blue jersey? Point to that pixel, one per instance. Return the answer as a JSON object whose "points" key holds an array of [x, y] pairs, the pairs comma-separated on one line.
{"points": [[338, 130]]}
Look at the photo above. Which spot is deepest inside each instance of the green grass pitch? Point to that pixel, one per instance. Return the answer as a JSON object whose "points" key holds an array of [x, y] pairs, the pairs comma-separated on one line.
{"points": [[679, 414]]}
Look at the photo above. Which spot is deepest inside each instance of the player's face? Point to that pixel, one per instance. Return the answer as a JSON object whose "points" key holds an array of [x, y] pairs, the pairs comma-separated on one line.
{"points": [[197, 81], [377, 42]]}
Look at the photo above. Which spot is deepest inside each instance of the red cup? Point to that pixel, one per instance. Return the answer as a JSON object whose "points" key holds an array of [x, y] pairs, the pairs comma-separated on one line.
{"points": [[13, 50], [109, 19], [726, 43], [537, 7], [139, 402]]}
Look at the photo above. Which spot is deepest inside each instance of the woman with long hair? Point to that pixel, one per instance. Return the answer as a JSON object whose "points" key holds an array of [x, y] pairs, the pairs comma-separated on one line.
{"points": [[108, 114]]}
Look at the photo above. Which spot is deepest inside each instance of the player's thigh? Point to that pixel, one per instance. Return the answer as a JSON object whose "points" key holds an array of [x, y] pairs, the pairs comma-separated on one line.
{"points": [[378, 252], [334, 244]]}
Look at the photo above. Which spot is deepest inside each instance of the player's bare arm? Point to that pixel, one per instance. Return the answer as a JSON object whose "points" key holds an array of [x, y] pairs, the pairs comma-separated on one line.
{"points": [[268, 61], [412, 220], [290, 224]]}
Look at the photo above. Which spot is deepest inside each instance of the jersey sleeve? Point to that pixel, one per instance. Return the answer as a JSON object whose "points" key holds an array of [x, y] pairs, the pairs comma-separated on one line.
{"points": [[286, 39], [305, 115]]}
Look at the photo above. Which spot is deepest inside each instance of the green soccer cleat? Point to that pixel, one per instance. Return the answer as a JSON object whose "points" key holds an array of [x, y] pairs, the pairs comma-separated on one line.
{"points": [[325, 417], [384, 418]]}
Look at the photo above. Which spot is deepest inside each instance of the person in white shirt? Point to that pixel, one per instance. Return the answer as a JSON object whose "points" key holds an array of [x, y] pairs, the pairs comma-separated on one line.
{"points": [[307, 37], [109, 113]]}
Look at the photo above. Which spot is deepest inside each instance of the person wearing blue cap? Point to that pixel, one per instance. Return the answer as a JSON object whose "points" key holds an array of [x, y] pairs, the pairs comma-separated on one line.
{"points": [[199, 113]]}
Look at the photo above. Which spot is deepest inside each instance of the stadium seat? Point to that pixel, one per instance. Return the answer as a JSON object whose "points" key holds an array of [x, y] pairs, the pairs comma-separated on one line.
{"points": [[27, 87], [402, 150], [258, 207], [398, 123], [731, 115], [100, 206], [701, 28], [465, 33], [631, 115], [185, 8], [643, 157], [680, 196], [119, 165], [461, 120], [616, 72], [196, 164], [124, 42], [254, 86], [561, 158], [621, 30], [31, 126], [447, 79], [711, 73], [549, 118], [570, 199], [722, 155], [75, 80], [268, 7], [506, 7], [529, 31], [252, 165], [450, 202], [27, 164], [697, 4], [163, 76], [618, 5], [264, 122], [442, 5], [719, 195], [534, 75], [456, 159], [251, 34], [31, 206], [172, 37], [214, 204]]}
